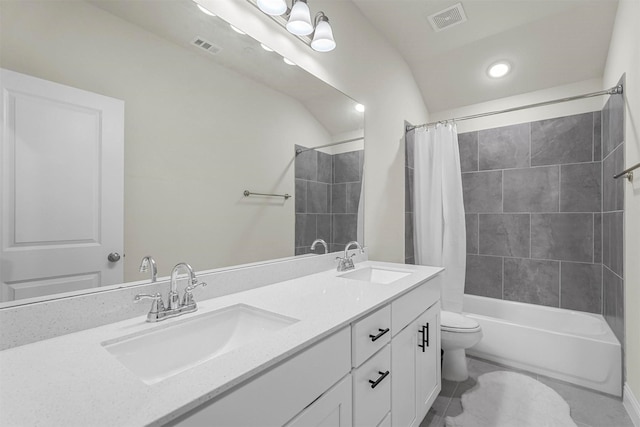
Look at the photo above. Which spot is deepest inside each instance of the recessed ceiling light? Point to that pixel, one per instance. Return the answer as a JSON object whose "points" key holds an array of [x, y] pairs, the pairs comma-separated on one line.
{"points": [[206, 11], [288, 61], [359, 108], [265, 47], [499, 69], [237, 30]]}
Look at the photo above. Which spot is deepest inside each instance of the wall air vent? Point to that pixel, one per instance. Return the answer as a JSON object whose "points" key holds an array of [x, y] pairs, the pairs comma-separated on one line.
{"points": [[206, 45], [447, 18]]}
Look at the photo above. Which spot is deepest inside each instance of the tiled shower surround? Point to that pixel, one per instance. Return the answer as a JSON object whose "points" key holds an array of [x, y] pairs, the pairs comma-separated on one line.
{"points": [[532, 198], [543, 212], [326, 198]]}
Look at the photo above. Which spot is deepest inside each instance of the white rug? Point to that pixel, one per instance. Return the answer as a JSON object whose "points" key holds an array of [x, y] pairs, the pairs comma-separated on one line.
{"points": [[508, 399]]}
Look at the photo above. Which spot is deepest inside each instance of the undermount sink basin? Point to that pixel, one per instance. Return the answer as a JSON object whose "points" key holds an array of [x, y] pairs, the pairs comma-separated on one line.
{"points": [[165, 351], [376, 275]]}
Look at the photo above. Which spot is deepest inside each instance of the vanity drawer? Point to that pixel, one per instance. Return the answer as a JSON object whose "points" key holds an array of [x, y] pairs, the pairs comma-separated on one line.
{"points": [[277, 395], [370, 334], [372, 389], [410, 305]]}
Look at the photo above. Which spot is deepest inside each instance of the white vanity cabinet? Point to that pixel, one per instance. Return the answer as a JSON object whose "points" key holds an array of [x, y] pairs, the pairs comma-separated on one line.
{"points": [[276, 396], [415, 355], [383, 370], [332, 409]]}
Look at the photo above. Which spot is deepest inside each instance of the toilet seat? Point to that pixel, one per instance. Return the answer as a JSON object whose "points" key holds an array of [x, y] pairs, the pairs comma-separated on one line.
{"points": [[457, 323]]}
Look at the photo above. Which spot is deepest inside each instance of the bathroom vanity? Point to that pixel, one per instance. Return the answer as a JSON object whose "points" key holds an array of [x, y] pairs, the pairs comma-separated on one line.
{"points": [[346, 348]]}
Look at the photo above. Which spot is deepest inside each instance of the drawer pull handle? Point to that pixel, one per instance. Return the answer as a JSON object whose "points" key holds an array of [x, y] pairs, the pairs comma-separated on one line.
{"points": [[375, 383], [424, 342], [381, 333]]}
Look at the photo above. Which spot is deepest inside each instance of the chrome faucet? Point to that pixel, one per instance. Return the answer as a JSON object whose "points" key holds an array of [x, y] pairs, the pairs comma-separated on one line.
{"points": [[346, 263], [174, 306], [174, 297], [322, 242], [149, 264]]}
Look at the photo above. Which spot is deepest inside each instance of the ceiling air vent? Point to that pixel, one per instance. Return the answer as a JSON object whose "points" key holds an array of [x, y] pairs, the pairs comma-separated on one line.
{"points": [[447, 18], [206, 45]]}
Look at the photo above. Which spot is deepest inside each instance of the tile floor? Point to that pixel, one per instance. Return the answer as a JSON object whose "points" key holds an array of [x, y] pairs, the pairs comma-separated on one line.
{"points": [[588, 408]]}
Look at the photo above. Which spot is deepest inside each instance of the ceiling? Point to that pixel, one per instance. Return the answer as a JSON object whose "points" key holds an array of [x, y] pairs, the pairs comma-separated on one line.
{"points": [[548, 43]]}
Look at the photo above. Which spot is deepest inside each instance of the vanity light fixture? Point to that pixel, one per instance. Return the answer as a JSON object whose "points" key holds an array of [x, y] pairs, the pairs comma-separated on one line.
{"points": [[273, 7], [359, 108], [323, 40], [499, 69], [299, 23], [237, 30], [205, 10]]}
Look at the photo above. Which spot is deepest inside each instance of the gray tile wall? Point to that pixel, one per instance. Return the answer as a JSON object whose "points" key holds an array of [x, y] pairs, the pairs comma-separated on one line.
{"points": [[544, 217], [327, 194], [612, 231], [533, 209]]}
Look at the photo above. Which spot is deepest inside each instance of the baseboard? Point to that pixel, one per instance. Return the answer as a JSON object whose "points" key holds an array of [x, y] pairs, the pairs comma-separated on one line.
{"points": [[631, 404]]}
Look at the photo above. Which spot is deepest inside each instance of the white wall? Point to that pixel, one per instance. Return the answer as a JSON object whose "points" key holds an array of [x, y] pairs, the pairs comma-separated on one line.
{"points": [[624, 57], [365, 67], [528, 115], [189, 152]]}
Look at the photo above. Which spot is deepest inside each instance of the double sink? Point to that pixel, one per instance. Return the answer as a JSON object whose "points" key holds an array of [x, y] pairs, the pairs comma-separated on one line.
{"points": [[167, 350]]}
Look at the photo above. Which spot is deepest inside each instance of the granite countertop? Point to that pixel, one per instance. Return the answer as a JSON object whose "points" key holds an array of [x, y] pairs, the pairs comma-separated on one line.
{"points": [[73, 380]]}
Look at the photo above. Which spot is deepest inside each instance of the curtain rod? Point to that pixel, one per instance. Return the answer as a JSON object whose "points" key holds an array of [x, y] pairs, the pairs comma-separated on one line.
{"points": [[300, 150], [616, 90]]}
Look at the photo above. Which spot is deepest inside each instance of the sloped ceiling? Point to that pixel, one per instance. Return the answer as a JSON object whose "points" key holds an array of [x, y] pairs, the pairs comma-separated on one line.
{"points": [[548, 42]]}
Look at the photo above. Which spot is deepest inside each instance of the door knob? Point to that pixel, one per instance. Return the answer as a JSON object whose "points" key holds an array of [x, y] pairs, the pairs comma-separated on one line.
{"points": [[114, 257]]}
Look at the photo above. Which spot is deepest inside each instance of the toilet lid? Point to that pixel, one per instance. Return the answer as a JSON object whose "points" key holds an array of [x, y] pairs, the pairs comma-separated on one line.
{"points": [[456, 322]]}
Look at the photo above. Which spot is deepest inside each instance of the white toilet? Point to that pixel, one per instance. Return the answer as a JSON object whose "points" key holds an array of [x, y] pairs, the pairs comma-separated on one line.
{"points": [[458, 333]]}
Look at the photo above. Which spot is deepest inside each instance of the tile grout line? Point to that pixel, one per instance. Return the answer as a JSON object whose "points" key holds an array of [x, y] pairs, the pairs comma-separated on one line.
{"points": [[502, 258], [559, 188], [560, 284]]}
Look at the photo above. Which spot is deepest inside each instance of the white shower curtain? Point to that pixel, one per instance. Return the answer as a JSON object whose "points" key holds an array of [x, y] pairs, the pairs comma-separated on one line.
{"points": [[439, 226]]}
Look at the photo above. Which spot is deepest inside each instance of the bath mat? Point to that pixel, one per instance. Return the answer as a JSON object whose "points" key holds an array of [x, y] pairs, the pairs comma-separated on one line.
{"points": [[508, 399]]}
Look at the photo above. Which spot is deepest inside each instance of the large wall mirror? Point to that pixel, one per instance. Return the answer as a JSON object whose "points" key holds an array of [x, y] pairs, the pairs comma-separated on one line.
{"points": [[208, 114]]}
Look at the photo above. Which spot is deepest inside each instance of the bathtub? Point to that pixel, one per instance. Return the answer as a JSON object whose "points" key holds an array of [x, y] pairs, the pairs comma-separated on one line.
{"points": [[572, 346]]}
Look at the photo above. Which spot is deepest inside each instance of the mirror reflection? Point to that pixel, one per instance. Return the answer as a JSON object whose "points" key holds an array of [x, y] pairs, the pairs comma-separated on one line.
{"points": [[193, 114]]}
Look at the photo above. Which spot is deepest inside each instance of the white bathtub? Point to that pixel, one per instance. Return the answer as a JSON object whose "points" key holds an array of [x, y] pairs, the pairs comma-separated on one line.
{"points": [[572, 346]]}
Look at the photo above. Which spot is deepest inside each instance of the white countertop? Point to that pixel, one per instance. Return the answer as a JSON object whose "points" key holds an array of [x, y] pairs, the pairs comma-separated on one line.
{"points": [[73, 381]]}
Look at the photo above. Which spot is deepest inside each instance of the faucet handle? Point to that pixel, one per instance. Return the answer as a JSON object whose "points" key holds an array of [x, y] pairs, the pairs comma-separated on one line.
{"points": [[157, 306], [187, 299], [191, 287]]}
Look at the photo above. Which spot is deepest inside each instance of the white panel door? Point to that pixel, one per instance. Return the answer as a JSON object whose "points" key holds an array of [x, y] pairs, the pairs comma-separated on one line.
{"points": [[62, 188]]}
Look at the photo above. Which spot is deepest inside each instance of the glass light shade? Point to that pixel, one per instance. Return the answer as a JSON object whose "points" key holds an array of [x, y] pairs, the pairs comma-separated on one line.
{"points": [[273, 7], [288, 61], [323, 37], [359, 108], [300, 19]]}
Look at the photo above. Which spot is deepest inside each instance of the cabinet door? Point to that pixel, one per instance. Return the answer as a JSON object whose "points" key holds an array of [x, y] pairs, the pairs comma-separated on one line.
{"points": [[333, 409], [403, 380], [428, 360]]}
